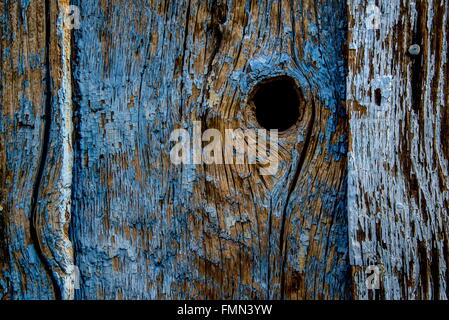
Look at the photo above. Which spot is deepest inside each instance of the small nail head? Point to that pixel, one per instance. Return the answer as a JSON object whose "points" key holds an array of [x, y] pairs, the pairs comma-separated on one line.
{"points": [[414, 49]]}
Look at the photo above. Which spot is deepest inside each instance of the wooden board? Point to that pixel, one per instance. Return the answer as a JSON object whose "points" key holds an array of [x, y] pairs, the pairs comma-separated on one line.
{"points": [[398, 182], [36, 152], [145, 228], [87, 182]]}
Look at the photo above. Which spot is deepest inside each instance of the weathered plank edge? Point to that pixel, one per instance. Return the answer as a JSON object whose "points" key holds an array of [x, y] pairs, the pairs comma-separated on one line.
{"points": [[53, 204]]}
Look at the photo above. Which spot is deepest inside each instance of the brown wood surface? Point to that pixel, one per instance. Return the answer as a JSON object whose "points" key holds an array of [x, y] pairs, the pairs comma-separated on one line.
{"points": [[86, 178]]}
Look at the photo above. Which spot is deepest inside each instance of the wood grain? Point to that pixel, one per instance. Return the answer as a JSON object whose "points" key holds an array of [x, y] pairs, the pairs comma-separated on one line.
{"points": [[398, 181], [144, 228], [86, 179], [24, 94]]}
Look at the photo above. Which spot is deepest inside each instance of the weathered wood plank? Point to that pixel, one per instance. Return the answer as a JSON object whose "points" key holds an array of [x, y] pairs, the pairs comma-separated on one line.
{"points": [[53, 207], [398, 182], [36, 151], [145, 228], [23, 89]]}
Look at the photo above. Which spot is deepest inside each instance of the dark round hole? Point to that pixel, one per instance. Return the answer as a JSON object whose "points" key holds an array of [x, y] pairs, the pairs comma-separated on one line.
{"points": [[277, 103]]}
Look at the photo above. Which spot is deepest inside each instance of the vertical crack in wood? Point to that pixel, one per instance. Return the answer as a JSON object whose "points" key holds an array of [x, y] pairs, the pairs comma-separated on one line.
{"points": [[417, 64], [282, 242], [52, 190], [43, 156], [218, 17], [184, 49]]}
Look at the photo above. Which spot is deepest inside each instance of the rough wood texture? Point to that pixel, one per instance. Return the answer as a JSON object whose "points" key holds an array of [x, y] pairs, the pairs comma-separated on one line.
{"points": [[23, 99], [399, 119], [144, 228], [53, 206], [86, 178], [36, 153]]}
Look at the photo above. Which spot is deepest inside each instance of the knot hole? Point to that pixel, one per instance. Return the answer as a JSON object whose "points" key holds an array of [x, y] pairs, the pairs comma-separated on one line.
{"points": [[277, 103]]}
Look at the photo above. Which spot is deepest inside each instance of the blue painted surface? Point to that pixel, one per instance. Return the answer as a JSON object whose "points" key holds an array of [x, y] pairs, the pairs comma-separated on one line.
{"points": [[143, 228]]}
